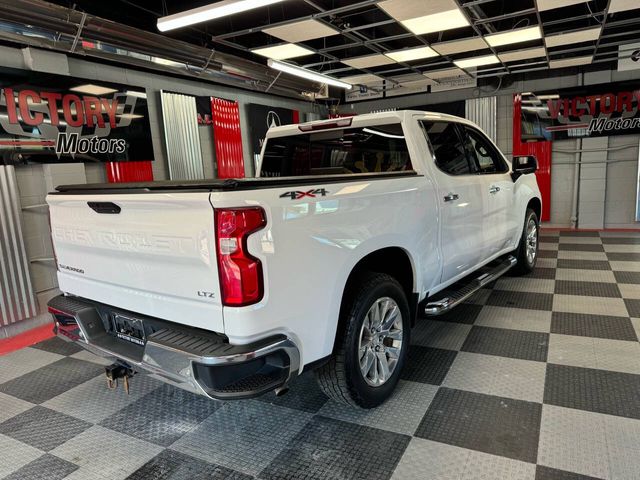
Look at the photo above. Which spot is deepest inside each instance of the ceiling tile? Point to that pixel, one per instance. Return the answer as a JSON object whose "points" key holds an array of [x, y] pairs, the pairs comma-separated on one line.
{"points": [[406, 9], [577, 36], [283, 52], [302, 31], [623, 5], [516, 55], [571, 62], [551, 4], [362, 79], [460, 46], [368, 61], [445, 73]]}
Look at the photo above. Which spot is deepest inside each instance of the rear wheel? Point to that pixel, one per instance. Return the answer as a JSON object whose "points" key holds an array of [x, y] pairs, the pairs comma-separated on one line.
{"points": [[372, 344], [527, 252]]}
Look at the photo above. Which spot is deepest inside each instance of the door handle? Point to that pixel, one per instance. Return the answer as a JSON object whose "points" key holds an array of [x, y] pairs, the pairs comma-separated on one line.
{"points": [[494, 189], [451, 197]]}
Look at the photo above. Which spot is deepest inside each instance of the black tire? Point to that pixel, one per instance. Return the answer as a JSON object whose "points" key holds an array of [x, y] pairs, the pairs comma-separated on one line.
{"points": [[525, 265], [341, 378]]}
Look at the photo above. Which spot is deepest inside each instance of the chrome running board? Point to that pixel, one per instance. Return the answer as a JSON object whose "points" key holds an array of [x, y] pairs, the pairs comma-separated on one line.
{"points": [[451, 298]]}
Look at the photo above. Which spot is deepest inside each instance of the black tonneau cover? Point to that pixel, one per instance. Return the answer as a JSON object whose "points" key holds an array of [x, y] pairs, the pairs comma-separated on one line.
{"points": [[221, 185]]}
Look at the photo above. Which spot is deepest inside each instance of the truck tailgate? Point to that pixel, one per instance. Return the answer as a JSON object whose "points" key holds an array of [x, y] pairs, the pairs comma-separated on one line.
{"points": [[153, 254]]}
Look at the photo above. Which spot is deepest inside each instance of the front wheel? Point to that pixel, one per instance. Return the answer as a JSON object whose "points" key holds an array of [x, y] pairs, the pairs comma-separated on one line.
{"points": [[527, 251], [372, 344]]}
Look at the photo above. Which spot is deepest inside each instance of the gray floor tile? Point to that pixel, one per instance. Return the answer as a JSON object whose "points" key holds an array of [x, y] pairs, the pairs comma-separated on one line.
{"points": [[623, 257], [23, 361], [545, 244], [12, 406], [90, 357], [586, 325], [47, 467], [400, 414], [633, 306], [530, 301], [547, 473], [591, 305], [507, 343], [578, 275], [629, 291], [589, 289], [103, 453], [581, 247], [572, 255], [499, 376], [545, 238], [490, 424], [578, 233], [172, 465], [544, 271], [435, 334], [625, 266], [601, 391], [304, 394], [525, 284], [515, 319], [427, 365], [328, 448], [42, 428], [581, 240], [59, 346], [47, 382], [621, 240], [465, 313], [239, 427], [163, 415], [15, 455], [547, 253], [627, 277], [584, 264]]}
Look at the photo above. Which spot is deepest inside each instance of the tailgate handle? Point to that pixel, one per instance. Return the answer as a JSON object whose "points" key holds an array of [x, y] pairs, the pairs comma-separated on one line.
{"points": [[105, 207]]}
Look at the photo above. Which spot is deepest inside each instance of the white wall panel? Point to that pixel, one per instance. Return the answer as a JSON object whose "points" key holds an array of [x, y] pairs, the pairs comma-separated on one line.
{"points": [[483, 112]]}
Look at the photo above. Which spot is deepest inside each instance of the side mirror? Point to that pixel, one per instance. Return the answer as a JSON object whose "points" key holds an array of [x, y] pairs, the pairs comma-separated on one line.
{"points": [[523, 165]]}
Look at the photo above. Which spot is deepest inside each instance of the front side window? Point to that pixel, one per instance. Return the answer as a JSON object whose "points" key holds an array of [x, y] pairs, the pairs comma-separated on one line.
{"points": [[446, 147], [483, 154], [375, 149]]}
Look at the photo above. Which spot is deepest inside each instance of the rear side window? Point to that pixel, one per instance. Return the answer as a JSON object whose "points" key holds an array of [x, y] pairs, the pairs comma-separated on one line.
{"points": [[376, 149], [446, 147], [487, 159]]}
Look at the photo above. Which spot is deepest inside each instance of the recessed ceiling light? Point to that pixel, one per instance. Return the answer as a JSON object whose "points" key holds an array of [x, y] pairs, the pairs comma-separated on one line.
{"points": [[522, 54], [514, 36], [301, 31], [284, 51], [571, 62], [210, 12], [410, 54], [552, 4], [476, 61], [436, 22], [92, 89], [375, 60], [622, 5], [308, 74], [577, 36], [445, 73], [460, 46]]}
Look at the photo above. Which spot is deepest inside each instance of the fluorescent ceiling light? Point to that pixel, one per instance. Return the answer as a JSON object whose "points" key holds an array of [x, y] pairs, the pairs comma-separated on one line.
{"points": [[92, 89], [375, 60], [436, 22], [577, 36], [410, 54], [308, 74], [571, 62], [210, 12], [622, 5], [132, 93], [522, 54], [132, 116], [284, 51], [476, 61], [301, 31], [407, 9], [551, 4], [445, 73], [460, 46], [514, 36]]}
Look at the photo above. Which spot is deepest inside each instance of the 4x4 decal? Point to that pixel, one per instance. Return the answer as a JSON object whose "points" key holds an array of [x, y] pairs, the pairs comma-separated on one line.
{"points": [[297, 195]]}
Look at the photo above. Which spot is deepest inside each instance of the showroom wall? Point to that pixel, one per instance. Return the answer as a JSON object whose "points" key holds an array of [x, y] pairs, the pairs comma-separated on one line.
{"points": [[608, 175]]}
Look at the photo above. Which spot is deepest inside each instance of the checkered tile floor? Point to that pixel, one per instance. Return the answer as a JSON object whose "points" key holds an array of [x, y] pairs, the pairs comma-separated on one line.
{"points": [[536, 377]]}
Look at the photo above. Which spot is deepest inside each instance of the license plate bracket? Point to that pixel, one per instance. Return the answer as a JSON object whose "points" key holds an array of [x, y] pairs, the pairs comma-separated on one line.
{"points": [[129, 329]]}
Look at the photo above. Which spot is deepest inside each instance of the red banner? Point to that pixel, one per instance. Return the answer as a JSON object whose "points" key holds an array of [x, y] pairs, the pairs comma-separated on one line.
{"points": [[228, 138], [125, 172]]}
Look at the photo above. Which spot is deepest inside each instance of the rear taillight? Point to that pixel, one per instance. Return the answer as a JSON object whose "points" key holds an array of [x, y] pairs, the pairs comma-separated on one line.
{"points": [[241, 281]]}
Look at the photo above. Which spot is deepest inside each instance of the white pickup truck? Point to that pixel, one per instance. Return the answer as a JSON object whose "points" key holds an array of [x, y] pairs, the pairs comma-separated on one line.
{"points": [[354, 228]]}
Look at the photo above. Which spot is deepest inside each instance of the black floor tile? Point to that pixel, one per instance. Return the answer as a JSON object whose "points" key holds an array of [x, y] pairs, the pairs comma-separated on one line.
{"points": [[526, 300], [507, 343], [495, 425], [332, 449], [464, 313], [579, 234], [428, 365], [52, 380], [589, 289], [541, 272], [584, 264], [172, 465], [627, 277], [598, 326], [547, 253], [547, 473], [623, 257], [304, 394], [601, 391], [581, 247], [163, 415], [59, 346], [633, 307], [621, 240], [46, 467], [548, 239], [43, 428]]}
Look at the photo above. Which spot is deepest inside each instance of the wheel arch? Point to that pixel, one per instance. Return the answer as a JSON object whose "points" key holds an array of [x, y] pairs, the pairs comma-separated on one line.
{"points": [[536, 205]]}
